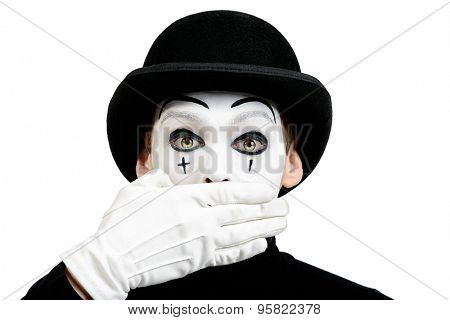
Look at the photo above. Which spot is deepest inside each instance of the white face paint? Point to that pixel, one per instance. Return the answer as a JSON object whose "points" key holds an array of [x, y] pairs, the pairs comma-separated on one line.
{"points": [[208, 140]]}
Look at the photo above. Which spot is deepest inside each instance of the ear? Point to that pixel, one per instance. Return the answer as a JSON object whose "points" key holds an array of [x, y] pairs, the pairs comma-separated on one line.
{"points": [[293, 169], [143, 163]]}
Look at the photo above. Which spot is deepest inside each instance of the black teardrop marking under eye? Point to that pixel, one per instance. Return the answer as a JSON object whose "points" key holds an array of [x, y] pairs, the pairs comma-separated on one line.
{"points": [[250, 165]]}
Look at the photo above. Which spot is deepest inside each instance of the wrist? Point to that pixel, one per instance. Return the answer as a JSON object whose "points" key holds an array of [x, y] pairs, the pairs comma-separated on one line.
{"points": [[77, 286], [95, 271]]}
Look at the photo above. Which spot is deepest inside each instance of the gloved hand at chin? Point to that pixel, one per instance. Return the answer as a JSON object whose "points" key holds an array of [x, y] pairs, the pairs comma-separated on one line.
{"points": [[155, 232]]}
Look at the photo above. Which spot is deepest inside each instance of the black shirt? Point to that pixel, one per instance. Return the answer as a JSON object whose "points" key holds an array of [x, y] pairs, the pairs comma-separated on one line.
{"points": [[269, 275]]}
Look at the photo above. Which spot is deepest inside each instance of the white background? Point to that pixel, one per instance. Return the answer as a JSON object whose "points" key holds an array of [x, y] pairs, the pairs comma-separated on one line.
{"points": [[384, 178]]}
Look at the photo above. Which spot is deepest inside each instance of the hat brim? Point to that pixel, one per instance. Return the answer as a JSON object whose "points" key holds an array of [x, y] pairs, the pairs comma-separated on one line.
{"points": [[301, 98]]}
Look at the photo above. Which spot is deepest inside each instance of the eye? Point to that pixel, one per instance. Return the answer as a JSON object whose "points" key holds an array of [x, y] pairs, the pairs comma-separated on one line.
{"points": [[184, 140], [250, 143]]}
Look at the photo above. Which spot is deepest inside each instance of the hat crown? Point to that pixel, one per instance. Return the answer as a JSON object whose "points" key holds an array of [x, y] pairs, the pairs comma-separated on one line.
{"points": [[223, 37]]}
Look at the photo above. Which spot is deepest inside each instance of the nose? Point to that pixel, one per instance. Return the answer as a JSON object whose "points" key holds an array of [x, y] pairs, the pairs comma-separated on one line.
{"points": [[216, 165], [208, 180]]}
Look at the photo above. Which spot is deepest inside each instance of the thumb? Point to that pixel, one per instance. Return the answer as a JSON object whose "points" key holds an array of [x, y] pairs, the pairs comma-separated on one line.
{"points": [[152, 180]]}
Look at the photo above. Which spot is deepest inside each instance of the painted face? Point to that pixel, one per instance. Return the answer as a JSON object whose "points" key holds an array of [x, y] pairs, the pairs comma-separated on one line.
{"points": [[214, 136]]}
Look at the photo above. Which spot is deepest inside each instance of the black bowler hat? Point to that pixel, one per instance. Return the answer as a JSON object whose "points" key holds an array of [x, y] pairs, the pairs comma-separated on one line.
{"points": [[219, 50]]}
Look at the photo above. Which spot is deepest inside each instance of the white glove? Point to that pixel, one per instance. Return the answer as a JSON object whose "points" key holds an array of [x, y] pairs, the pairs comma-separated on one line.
{"points": [[155, 232]]}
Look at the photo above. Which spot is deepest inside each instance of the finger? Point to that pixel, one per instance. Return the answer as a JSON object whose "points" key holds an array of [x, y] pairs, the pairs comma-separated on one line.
{"points": [[220, 193], [240, 252], [239, 213], [237, 234]]}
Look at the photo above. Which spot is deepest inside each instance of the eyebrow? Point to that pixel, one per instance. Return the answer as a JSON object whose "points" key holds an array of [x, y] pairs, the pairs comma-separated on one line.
{"points": [[244, 116], [252, 99], [179, 114], [182, 98]]}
